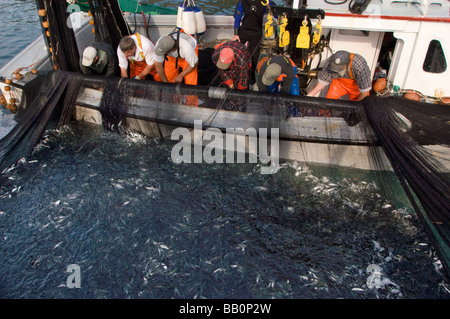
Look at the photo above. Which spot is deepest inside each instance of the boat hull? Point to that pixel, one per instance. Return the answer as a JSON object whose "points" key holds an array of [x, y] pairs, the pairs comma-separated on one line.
{"points": [[306, 139]]}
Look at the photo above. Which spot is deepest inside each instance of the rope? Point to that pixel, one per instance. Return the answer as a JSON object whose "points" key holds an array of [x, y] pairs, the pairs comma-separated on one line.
{"points": [[431, 99]]}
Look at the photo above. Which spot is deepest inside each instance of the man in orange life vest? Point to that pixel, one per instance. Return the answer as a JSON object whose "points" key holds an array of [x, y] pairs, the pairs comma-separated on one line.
{"points": [[348, 74], [138, 51], [175, 51]]}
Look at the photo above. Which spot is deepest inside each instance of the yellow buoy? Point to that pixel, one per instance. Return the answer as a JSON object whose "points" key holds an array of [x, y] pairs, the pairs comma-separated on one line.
{"points": [[42, 12], [34, 71], [7, 88], [8, 81], [45, 24], [91, 21]]}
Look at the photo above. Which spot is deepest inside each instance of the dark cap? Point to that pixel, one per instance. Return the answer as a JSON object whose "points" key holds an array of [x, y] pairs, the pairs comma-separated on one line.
{"points": [[339, 60]]}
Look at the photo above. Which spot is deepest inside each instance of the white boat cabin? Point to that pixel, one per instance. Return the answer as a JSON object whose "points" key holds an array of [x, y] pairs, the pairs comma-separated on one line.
{"points": [[412, 35]]}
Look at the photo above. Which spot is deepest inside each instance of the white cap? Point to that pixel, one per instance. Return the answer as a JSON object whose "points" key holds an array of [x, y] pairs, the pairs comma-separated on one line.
{"points": [[89, 55]]}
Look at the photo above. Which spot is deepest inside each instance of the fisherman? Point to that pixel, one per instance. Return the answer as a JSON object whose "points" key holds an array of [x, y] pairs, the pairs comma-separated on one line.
{"points": [[232, 59], [99, 58], [248, 27], [273, 71], [348, 73], [175, 51], [135, 53]]}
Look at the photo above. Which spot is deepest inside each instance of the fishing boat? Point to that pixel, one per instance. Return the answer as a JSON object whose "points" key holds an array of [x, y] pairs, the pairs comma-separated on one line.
{"points": [[405, 44], [404, 37]]}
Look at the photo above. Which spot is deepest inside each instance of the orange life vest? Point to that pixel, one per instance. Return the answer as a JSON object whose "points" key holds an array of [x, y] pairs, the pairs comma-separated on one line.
{"points": [[136, 67], [342, 86]]}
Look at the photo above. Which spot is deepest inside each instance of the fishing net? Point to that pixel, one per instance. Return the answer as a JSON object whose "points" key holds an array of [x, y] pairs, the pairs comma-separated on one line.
{"points": [[120, 100], [414, 136], [110, 26], [42, 103], [59, 35], [415, 147]]}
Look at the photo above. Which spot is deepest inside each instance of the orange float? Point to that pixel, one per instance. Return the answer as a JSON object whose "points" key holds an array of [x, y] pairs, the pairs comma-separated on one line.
{"points": [[446, 100], [411, 95], [380, 85], [12, 107]]}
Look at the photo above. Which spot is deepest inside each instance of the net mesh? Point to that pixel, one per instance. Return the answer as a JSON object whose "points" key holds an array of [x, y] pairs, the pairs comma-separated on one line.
{"points": [[413, 135], [415, 138], [42, 103], [59, 35]]}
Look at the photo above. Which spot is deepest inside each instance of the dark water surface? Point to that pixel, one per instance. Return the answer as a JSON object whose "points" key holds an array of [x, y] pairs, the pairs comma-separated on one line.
{"points": [[19, 25], [139, 226]]}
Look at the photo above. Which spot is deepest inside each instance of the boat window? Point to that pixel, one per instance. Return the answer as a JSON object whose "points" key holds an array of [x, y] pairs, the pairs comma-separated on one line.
{"points": [[435, 58]]}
